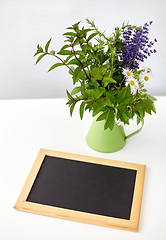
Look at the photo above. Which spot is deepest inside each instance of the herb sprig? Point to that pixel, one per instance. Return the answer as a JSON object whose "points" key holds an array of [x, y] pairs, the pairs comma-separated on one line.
{"points": [[106, 71]]}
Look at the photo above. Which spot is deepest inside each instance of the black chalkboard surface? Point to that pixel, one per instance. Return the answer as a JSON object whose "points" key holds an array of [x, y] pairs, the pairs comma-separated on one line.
{"points": [[81, 188], [85, 187]]}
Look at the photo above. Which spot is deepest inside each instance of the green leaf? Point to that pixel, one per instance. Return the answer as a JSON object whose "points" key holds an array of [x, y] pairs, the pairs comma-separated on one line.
{"points": [[149, 105], [40, 57], [82, 106], [64, 47], [36, 53], [151, 97], [84, 32], [128, 90], [83, 87], [153, 108], [74, 62], [72, 108], [110, 120], [148, 102], [69, 34], [84, 48], [55, 66], [91, 93], [68, 58], [69, 95], [98, 110], [52, 52], [76, 90], [81, 97], [126, 100], [105, 84], [76, 75], [71, 70], [65, 52], [138, 119], [109, 80], [47, 45], [110, 96], [108, 102], [75, 26], [141, 113], [139, 105], [80, 53], [40, 50], [119, 44], [99, 92], [95, 74], [102, 116], [117, 77], [76, 42], [91, 36], [123, 116], [82, 75], [121, 95]]}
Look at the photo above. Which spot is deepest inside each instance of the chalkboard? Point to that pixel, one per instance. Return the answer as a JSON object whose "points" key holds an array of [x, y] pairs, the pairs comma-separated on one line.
{"points": [[87, 189]]}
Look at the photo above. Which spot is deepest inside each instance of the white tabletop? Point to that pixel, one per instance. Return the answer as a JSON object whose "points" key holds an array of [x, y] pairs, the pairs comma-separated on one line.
{"points": [[28, 125]]}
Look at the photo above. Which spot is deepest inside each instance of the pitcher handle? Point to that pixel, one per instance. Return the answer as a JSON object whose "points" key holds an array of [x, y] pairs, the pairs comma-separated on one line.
{"points": [[134, 133]]}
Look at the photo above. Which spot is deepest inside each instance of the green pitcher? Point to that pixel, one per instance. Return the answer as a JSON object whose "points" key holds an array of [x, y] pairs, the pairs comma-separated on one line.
{"points": [[107, 141]]}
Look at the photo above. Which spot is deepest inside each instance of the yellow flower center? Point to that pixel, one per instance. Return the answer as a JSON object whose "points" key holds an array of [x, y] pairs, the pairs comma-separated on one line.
{"points": [[132, 82], [128, 73], [149, 69], [146, 78]]}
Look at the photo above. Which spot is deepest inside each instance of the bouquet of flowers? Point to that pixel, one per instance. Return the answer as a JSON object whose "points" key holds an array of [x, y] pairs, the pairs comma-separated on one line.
{"points": [[106, 71]]}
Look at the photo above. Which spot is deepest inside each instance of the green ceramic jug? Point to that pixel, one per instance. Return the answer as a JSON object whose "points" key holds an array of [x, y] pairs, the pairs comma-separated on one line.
{"points": [[107, 141]]}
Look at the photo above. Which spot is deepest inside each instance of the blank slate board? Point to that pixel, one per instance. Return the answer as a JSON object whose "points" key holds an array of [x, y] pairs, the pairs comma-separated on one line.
{"points": [[85, 189]]}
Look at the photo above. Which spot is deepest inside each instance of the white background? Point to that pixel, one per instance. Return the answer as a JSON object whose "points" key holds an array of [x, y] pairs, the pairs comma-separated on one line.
{"points": [[25, 23]]}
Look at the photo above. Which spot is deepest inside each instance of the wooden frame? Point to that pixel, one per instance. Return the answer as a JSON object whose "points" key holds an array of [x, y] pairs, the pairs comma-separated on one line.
{"points": [[131, 225]]}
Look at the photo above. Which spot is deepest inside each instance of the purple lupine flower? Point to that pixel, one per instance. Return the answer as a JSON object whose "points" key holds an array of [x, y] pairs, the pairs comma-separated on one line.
{"points": [[136, 46], [151, 43]]}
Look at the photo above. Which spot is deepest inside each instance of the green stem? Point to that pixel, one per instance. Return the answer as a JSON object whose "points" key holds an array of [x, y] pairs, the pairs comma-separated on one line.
{"points": [[79, 61], [122, 82], [112, 60], [60, 60]]}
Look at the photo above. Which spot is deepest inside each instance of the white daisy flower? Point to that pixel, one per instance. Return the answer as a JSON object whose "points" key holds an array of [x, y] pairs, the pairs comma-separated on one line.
{"points": [[145, 77], [127, 73], [133, 84], [147, 70]]}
